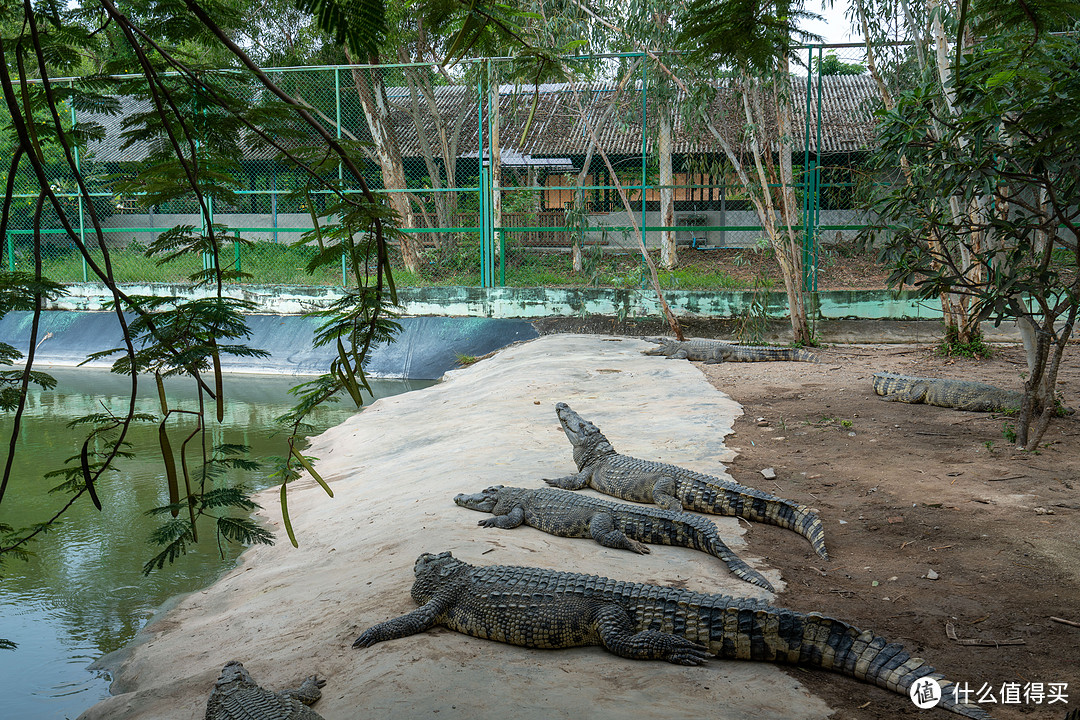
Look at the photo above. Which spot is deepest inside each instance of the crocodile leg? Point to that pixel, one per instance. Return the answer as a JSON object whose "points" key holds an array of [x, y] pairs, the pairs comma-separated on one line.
{"points": [[510, 520], [617, 635], [603, 530], [664, 494], [578, 481], [308, 692], [422, 618]]}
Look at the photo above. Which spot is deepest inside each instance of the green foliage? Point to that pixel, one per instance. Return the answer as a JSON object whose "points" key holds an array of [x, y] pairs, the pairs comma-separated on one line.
{"points": [[833, 65], [951, 345], [191, 125], [214, 503], [1008, 431], [744, 33], [360, 24], [989, 195]]}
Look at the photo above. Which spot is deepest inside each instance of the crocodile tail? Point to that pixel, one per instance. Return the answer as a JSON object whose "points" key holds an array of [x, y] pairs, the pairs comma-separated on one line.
{"points": [[813, 640], [745, 502], [807, 523], [837, 646], [702, 534]]}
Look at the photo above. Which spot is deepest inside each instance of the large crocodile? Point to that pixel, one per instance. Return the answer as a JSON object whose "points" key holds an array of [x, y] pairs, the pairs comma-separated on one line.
{"points": [[540, 608], [672, 487], [614, 525], [944, 392], [718, 351], [237, 697]]}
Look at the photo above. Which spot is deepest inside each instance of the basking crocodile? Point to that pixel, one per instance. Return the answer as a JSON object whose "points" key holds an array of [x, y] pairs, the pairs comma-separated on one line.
{"points": [[614, 525], [540, 608], [718, 351], [943, 392], [236, 697], [672, 487]]}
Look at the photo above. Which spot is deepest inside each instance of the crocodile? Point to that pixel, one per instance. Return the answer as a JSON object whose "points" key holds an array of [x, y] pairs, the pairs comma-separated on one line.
{"points": [[945, 392], [237, 697], [718, 351], [614, 525], [540, 608], [672, 487]]}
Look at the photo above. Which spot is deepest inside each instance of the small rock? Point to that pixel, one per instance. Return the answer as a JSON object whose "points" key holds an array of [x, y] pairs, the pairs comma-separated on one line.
{"points": [[893, 579], [931, 575], [762, 422], [1044, 511], [768, 473], [815, 476], [851, 434], [843, 522], [895, 519]]}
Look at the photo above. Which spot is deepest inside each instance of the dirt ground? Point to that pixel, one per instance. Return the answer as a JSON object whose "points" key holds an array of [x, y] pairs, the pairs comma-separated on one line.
{"points": [[909, 489]]}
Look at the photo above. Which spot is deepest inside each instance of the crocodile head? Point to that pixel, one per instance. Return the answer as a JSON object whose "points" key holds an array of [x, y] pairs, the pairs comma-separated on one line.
{"points": [[434, 572], [589, 443], [233, 671], [483, 501]]}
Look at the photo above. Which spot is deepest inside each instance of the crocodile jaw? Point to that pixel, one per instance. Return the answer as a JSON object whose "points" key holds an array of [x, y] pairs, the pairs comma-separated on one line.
{"points": [[483, 501], [571, 423], [589, 443]]}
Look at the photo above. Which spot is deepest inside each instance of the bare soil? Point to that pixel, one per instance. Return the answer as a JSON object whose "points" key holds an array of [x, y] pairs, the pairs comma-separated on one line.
{"points": [[904, 490]]}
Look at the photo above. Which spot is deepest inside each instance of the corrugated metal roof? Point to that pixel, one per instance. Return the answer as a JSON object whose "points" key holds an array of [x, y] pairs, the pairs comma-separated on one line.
{"points": [[558, 119]]}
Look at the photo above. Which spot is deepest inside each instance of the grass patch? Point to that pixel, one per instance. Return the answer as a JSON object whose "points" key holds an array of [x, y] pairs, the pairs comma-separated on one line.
{"points": [[271, 263]]}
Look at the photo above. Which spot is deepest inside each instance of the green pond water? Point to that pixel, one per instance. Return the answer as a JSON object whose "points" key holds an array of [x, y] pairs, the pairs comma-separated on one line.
{"points": [[83, 593]]}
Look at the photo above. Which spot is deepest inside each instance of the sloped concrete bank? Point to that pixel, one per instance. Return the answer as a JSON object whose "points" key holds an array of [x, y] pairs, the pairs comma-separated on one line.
{"points": [[395, 468], [425, 349]]}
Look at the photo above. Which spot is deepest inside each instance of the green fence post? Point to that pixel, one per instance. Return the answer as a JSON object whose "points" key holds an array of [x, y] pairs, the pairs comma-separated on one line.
{"points": [[487, 209], [10, 253], [337, 115]]}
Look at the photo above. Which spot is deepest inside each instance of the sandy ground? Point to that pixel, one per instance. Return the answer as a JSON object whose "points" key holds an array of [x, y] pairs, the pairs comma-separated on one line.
{"points": [[395, 468]]}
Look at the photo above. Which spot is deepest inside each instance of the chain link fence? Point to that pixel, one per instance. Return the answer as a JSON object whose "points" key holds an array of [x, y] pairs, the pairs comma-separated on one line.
{"points": [[495, 183]]}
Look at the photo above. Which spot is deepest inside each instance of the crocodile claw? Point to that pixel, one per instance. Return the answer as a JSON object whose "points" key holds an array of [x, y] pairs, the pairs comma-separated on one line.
{"points": [[689, 653], [366, 639]]}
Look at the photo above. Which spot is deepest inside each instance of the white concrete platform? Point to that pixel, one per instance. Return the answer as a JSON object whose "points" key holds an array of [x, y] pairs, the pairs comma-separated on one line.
{"points": [[395, 468]]}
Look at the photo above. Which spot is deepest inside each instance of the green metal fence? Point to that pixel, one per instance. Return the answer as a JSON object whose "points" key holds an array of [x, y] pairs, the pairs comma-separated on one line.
{"points": [[497, 183]]}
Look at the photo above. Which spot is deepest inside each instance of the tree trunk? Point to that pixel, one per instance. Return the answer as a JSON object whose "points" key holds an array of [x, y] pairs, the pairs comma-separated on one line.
{"points": [[668, 256], [372, 93]]}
